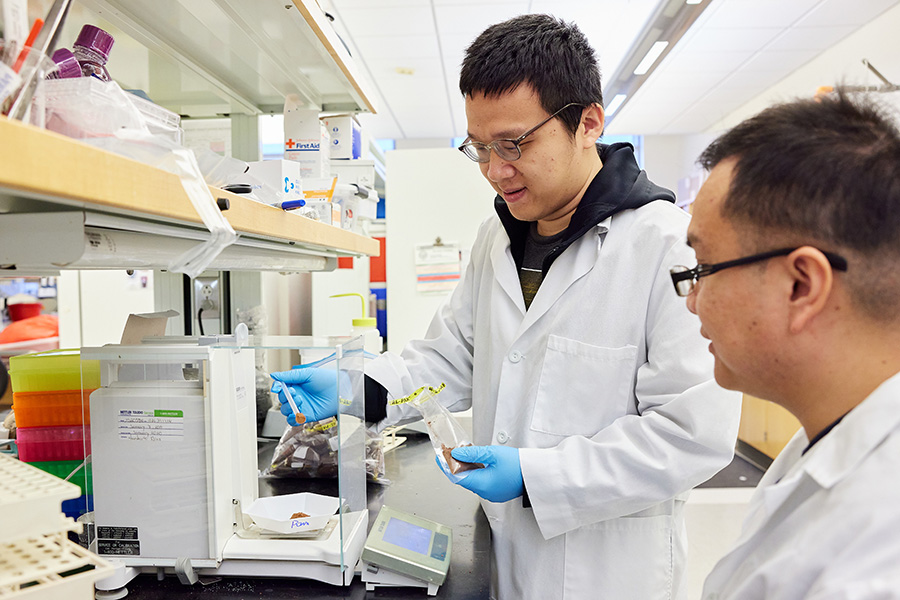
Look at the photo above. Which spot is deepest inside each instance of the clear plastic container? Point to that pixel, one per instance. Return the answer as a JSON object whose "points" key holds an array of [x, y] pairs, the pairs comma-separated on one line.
{"points": [[85, 107], [53, 443], [159, 120], [91, 49], [23, 73], [53, 370], [52, 408], [325, 211]]}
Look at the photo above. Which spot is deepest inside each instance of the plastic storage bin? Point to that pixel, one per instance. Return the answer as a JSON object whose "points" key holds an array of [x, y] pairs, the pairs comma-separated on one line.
{"points": [[53, 443], [62, 468], [76, 507], [52, 408], [53, 370]]}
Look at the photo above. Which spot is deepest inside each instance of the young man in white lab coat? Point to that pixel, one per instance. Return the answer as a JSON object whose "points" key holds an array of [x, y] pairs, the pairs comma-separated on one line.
{"points": [[805, 199], [594, 407]]}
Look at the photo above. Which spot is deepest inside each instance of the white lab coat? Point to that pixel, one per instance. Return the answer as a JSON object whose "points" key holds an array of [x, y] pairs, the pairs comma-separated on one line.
{"points": [[605, 385], [825, 525]]}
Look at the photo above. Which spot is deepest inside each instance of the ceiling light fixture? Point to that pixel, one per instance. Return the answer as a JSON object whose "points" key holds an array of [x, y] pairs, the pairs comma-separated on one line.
{"points": [[666, 26], [614, 105], [650, 58]]}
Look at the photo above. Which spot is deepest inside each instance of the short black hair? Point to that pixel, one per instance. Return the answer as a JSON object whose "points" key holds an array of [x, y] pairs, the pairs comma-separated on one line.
{"points": [[824, 171], [552, 56]]}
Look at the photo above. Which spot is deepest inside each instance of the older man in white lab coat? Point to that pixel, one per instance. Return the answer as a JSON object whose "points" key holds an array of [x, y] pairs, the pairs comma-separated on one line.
{"points": [[797, 231], [594, 408]]}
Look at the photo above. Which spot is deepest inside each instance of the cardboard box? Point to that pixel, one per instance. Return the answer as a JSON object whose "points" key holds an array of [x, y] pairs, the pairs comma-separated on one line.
{"points": [[346, 136], [282, 175]]}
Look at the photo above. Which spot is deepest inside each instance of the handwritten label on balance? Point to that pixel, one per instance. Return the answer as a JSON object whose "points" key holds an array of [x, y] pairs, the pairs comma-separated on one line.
{"points": [[154, 425]]}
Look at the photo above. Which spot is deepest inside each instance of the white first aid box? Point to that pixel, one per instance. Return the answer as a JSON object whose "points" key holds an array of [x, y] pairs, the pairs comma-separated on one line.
{"points": [[306, 139]]}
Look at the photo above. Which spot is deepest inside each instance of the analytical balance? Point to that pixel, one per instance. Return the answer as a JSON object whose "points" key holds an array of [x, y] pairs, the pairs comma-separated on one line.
{"points": [[173, 433]]}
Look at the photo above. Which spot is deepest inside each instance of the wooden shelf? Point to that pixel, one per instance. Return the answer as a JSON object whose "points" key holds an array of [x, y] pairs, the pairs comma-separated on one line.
{"points": [[45, 176]]}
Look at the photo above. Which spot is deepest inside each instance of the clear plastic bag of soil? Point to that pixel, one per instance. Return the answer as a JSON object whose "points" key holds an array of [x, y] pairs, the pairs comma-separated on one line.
{"points": [[311, 451], [444, 431]]}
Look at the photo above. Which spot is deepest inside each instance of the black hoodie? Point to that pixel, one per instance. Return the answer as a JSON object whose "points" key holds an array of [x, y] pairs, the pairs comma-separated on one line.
{"points": [[619, 185]]}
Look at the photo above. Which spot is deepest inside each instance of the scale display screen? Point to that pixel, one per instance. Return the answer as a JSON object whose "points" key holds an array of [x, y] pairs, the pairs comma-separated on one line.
{"points": [[409, 545], [406, 535]]}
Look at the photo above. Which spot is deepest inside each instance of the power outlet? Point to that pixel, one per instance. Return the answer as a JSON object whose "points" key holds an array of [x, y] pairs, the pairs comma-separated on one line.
{"points": [[206, 303]]}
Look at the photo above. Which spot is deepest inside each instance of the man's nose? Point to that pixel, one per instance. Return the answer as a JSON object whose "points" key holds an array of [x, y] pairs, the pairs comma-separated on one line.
{"points": [[498, 169], [691, 301]]}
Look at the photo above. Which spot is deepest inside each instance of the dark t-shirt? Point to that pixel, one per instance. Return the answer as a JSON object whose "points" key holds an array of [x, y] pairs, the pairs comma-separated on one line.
{"points": [[531, 274]]}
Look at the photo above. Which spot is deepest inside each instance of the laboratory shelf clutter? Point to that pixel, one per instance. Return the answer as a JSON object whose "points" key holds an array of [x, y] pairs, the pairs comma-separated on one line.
{"points": [[58, 213], [67, 205]]}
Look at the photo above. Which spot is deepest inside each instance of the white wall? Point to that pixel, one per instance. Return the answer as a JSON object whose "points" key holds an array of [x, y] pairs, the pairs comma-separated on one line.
{"points": [[334, 316], [430, 193], [669, 158], [878, 42], [94, 305]]}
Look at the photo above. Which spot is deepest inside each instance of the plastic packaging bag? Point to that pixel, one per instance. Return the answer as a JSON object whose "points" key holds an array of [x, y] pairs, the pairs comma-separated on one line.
{"points": [[108, 119], [311, 451], [444, 431]]}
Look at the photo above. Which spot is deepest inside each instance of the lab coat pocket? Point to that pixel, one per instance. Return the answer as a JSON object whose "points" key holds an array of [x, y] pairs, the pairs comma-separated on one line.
{"points": [[628, 557], [582, 388]]}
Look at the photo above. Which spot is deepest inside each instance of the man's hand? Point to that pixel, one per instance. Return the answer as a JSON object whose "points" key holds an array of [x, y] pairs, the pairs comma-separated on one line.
{"points": [[315, 391], [501, 478]]}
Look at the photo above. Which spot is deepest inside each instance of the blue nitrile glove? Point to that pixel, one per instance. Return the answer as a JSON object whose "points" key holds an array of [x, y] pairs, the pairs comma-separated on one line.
{"points": [[501, 478], [315, 391]]}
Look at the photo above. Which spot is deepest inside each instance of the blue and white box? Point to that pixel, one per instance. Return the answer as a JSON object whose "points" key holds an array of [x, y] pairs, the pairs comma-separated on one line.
{"points": [[345, 135], [282, 175]]}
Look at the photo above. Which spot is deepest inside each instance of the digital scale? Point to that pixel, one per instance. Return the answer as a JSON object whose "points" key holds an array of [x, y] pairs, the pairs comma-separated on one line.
{"points": [[406, 550]]}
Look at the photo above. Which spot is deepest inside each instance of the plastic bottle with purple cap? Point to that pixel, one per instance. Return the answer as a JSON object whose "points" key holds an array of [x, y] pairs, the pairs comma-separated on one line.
{"points": [[67, 65], [91, 48]]}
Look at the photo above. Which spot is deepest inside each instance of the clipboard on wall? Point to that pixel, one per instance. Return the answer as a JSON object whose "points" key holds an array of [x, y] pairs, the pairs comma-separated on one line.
{"points": [[438, 267]]}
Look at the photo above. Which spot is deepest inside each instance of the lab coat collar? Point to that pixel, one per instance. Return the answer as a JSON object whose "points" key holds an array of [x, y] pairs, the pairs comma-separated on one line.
{"points": [[865, 427], [619, 185], [505, 270], [577, 262]]}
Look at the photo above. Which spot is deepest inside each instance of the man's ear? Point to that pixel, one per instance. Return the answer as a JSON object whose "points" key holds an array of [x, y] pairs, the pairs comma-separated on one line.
{"points": [[813, 282], [592, 119]]}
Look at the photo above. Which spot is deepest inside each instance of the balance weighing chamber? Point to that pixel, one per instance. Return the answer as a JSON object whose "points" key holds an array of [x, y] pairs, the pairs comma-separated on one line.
{"points": [[173, 435]]}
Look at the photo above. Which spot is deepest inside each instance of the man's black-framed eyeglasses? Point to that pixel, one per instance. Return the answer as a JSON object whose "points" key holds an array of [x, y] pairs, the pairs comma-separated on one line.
{"points": [[685, 279], [508, 150]]}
